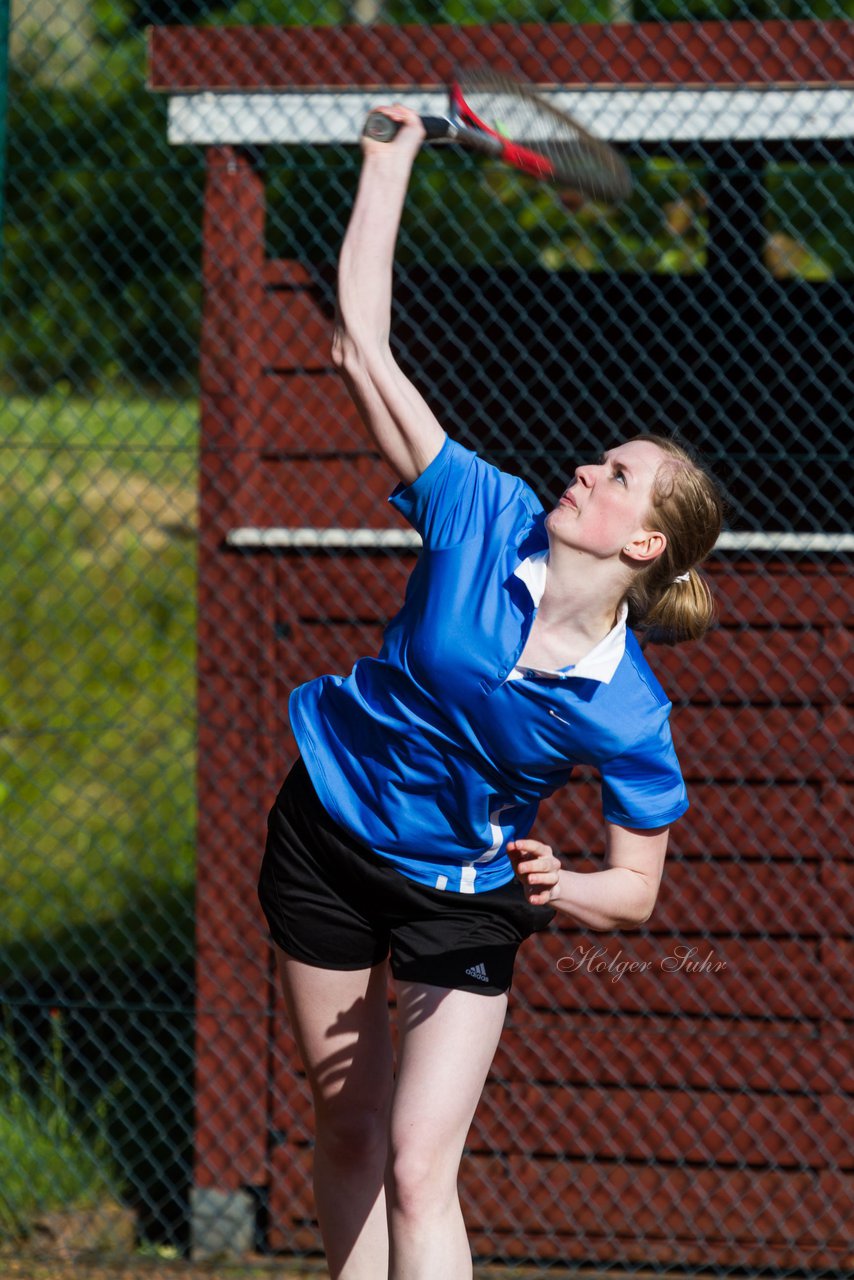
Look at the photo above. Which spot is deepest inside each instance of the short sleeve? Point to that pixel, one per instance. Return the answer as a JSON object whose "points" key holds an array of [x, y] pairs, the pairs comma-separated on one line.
{"points": [[459, 496], [643, 786]]}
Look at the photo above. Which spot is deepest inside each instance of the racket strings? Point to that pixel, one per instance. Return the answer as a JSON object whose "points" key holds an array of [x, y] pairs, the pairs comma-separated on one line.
{"points": [[518, 114]]}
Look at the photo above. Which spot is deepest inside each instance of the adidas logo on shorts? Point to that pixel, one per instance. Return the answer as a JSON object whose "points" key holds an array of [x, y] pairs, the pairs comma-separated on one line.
{"points": [[478, 971]]}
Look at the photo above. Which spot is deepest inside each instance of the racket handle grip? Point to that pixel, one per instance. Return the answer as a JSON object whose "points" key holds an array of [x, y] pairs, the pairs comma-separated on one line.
{"points": [[383, 129]]}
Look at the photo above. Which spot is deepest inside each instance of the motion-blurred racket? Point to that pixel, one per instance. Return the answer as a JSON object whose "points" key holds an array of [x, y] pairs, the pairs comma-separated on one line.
{"points": [[509, 121]]}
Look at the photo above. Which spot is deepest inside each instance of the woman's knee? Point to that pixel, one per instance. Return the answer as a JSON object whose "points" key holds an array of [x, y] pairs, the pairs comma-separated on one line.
{"points": [[351, 1132], [421, 1179]]}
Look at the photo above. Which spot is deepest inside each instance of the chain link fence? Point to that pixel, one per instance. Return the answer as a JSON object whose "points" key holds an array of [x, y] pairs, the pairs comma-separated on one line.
{"points": [[182, 548]]}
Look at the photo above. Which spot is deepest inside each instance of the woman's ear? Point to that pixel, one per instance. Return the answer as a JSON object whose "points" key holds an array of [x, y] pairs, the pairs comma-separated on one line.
{"points": [[648, 545]]}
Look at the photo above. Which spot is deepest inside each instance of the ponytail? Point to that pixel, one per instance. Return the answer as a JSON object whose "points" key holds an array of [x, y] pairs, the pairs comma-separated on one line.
{"points": [[684, 611], [668, 598]]}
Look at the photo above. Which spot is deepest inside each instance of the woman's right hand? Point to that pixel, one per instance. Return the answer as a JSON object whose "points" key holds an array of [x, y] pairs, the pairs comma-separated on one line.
{"points": [[406, 142], [538, 869]]}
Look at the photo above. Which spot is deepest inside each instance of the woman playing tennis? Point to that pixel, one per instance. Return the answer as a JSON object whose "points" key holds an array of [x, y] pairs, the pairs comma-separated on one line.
{"points": [[401, 836]]}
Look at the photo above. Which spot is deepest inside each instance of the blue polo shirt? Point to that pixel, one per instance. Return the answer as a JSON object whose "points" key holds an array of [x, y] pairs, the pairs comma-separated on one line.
{"points": [[438, 751]]}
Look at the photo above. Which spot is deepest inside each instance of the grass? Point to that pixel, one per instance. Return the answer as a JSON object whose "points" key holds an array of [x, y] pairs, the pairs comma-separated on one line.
{"points": [[97, 660], [47, 1160], [155, 438]]}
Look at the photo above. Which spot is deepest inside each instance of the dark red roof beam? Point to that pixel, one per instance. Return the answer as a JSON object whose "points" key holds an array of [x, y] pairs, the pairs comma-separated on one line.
{"points": [[184, 59]]}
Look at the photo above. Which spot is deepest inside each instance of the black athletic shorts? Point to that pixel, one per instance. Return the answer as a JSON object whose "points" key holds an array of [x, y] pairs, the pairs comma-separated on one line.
{"points": [[332, 902]]}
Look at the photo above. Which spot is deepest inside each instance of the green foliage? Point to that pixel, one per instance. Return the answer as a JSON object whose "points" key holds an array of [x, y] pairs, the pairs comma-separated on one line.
{"points": [[470, 12], [103, 233], [280, 13], [101, 271], [733, 10], [464, 211], [809, 219], [49, 1159], [97, 662]]}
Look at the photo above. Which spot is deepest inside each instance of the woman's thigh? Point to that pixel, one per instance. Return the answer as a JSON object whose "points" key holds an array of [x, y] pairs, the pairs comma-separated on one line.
{"points": [[448, 1039], [341, 1025]]}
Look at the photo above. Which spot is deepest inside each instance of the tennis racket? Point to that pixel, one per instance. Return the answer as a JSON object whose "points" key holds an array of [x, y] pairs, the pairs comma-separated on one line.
{"points": [[499, 117]]}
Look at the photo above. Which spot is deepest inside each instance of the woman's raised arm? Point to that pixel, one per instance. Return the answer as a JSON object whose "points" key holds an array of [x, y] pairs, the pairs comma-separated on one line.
{"points": [[404, 427]]}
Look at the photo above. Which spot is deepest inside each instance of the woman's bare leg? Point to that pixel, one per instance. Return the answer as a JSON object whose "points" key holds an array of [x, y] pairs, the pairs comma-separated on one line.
{"points": [[447, 1042], [340, 1022]]}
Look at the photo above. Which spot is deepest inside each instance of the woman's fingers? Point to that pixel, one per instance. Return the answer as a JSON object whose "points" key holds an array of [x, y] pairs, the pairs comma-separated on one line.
{"points": [[524, 847], [540, 872], [537, 867], [408, 138], [533, 860]]}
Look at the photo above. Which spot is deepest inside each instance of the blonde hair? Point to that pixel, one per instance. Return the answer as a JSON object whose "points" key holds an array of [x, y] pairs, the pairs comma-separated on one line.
{"points": [[688, 508]]}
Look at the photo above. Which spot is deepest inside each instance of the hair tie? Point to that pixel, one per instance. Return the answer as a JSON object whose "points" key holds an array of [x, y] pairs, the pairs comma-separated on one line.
{"points": [[683, 577]]}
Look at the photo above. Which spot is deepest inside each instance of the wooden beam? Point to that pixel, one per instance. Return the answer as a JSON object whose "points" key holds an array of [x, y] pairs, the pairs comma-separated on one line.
{"points": [[186, 59]]}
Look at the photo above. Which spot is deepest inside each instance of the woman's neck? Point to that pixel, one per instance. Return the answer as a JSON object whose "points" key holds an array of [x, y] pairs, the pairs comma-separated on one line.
{"points": [[582, 595]]}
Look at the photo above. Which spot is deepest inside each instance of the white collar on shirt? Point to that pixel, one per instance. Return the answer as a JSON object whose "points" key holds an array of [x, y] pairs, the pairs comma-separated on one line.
{"points": [[602, 660]]}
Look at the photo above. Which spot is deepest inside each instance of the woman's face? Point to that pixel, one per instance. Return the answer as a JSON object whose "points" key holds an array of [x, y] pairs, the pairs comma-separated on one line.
{"points": [[604, 509]]}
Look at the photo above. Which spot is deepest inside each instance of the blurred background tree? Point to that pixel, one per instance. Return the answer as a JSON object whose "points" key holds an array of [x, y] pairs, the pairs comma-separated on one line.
{"points": [[103, 218]]}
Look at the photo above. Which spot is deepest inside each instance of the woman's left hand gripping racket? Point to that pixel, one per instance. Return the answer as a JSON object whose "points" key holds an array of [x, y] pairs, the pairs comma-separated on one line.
{"points": [[509, 121]]}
